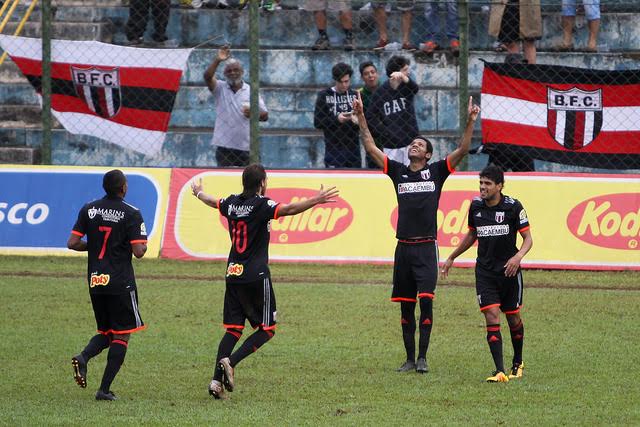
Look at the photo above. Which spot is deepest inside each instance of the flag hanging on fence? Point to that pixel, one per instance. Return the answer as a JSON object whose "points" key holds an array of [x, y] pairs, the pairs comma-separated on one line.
{"points": [[120, 94], [562, 114]]}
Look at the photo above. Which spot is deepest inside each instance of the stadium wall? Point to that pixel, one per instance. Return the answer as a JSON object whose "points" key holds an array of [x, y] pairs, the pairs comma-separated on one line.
{"points": [[589, 222]]}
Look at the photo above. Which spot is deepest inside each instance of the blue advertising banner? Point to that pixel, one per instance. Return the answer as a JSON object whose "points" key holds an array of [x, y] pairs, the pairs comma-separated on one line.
{"points": [[38, 207]]}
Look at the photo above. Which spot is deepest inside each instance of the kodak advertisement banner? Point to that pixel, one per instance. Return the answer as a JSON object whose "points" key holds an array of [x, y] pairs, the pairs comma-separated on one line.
{"points": [[577, 221], [39, 205]]}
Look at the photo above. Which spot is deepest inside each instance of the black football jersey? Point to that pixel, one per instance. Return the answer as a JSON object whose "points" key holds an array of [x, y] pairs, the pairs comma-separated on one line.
{"points": [[418, 194], [496, 228], [111, 226], [249, 222]]}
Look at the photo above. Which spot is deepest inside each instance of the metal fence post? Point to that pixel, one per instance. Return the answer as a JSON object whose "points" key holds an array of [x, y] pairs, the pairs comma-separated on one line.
{"points": [[46, 82], [463, 70], [254, 52]]}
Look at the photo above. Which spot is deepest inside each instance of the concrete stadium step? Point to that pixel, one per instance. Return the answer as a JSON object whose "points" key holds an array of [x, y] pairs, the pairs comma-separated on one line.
{"points": [[101, 31], [27, 116], [19, 155]]}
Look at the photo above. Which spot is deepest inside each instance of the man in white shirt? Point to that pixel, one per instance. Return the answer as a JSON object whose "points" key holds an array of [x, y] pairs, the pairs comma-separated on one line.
{"points": [[231, 96]]}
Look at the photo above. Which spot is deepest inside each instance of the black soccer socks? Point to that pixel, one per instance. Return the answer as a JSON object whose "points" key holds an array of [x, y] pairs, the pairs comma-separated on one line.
{"points": [[115, 358], [494, 339]]}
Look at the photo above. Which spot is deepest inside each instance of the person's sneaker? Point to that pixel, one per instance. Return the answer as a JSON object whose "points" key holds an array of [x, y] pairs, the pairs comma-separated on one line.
{"points": [[421, 366], [516, 371], [349, 44], [381, 44], [454, 47], [409, 47], [429, 47], [101, 395], [135, 42], [79, 370], [216, 390], [407, 366], [498, 377], [322, 43], [227, 378]]}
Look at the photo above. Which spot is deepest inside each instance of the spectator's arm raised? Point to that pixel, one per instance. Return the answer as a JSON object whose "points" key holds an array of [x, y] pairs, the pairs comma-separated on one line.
{"points": [[210, 74]]}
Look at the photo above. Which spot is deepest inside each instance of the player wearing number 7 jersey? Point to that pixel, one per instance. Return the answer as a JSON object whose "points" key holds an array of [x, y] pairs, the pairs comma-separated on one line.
{"points": [[114, 231], [249, 294]]}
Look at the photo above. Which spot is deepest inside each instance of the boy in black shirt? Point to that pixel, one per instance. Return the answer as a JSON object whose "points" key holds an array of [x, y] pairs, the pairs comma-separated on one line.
{"points": [[115, 230], [249, 294], [418, 187], [494, 220]]}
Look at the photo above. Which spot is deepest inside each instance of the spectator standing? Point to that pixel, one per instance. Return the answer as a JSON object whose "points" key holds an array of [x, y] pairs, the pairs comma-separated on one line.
{"points": [[333, 114], [139, 15], [369, 75], [231, 97], [517, 21], [432, 16], [391, 115], [319, 9], [591, 12], [380, 16], [115, 231]]}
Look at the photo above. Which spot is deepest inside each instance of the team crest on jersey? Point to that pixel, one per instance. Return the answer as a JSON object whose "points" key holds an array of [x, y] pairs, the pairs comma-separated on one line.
{"points": [[99, 280], [426, 174], [235, 269], [499, 217], [99, 89], [143, 229], [92, 212]]}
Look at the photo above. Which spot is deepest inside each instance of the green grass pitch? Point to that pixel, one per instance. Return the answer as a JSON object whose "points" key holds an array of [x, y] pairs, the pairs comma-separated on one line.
{"points": [[333, 359]]}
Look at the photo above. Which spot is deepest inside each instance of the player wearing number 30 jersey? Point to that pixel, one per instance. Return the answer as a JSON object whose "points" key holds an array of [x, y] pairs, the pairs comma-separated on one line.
{"points": [[115, 230], [249, 294]]}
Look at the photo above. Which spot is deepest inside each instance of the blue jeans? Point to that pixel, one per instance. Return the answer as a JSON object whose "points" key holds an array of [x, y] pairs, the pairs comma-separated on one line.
{"points": [[433, 20]]}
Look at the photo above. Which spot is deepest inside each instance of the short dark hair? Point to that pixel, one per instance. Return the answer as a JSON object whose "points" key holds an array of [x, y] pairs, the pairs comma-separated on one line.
{"points": [[340, 70], [494, 173], [252, 177], [113, 182], [426, 140], [366, 64], [396, 63]]}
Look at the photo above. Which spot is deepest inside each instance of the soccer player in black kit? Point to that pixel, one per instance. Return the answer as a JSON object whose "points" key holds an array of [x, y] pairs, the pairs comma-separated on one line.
{"points": [[115, 230], [494, 220], [415, 271], [249, 293]]}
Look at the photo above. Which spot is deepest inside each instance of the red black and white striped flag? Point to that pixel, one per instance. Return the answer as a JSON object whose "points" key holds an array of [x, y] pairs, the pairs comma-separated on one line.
{"points": [[562, 114], [123, 95]]}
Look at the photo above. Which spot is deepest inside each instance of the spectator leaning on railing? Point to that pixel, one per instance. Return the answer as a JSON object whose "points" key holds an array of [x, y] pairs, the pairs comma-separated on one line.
{"points": [[333, 114], [391, 114], [231, 97]]}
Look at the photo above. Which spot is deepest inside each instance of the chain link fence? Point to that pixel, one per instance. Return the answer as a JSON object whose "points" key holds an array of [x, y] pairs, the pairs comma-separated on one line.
{"points": [[141, 98]]}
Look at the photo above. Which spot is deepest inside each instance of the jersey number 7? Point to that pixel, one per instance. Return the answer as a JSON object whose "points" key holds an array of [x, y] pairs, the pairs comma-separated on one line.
{"points": [[107, 233]]}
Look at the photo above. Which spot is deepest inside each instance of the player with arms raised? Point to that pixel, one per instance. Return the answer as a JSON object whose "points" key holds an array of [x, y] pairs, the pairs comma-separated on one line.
{"points": [[249, 294]]}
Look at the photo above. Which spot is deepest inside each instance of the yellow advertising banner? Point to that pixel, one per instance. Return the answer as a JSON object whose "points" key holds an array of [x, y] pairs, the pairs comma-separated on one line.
{"points": [[39, 204], [577, 221]]}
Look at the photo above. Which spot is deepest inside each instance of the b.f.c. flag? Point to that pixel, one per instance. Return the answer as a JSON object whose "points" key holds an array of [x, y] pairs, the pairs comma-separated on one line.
{"points": [[563, 114], [120, 94]]}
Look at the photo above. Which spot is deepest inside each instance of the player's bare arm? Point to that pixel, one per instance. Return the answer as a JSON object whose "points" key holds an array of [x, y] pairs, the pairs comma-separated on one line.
{"points": [[367, 140], [224, 53], [468, 241], [139, 249], [513, 264], [465, 141], [324, 196], [76, 243], [196, 190]]}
